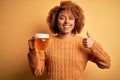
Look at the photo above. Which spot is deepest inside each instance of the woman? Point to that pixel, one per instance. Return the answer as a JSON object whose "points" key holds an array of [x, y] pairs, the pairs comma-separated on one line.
{"points": [[67, 54]]}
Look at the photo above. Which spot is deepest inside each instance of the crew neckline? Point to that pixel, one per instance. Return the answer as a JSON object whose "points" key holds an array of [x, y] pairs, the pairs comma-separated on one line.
{"points": [[66, 39]]}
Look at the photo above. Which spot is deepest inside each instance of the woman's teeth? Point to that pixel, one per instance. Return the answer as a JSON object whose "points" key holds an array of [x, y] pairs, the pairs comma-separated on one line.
{"points": [[66, 26]]}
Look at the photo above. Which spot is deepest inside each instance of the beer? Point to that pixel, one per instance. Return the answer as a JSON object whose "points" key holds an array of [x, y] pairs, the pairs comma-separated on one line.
{"points": [[41, 41]]}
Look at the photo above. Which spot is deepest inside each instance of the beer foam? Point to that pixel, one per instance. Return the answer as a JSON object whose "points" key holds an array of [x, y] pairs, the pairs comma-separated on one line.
{"points": [[41, 35]]}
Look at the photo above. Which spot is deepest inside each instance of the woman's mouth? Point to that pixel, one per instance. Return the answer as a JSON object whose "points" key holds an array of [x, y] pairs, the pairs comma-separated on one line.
{"points": [[66, 26]]}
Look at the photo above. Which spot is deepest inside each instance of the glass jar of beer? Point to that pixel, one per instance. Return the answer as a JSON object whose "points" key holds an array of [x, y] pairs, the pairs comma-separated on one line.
{"points": [[41, 41]]}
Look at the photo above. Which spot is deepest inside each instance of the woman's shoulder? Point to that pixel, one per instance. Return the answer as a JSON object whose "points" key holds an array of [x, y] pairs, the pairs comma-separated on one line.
{"points": [[53, 39], [78, 37]]}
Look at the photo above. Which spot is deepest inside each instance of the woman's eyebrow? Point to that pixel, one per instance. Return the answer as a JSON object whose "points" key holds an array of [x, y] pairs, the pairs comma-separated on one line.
{"points": [[61, 15]]}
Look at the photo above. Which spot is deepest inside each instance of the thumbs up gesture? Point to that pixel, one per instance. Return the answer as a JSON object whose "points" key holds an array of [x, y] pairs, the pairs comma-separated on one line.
{"points": [[88, 42]]}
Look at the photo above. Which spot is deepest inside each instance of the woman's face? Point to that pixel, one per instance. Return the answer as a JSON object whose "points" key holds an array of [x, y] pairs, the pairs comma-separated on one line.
{"points": [[66, 22]]}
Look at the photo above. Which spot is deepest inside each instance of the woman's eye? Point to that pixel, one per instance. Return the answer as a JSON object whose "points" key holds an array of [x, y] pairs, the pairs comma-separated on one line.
{"points": [[61, 18], [71, 18]]}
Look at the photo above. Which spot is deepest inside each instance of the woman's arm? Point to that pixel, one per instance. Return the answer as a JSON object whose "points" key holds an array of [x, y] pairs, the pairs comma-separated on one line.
{"points": [[96, 54], [36, 62], [36, 58], [99, 56]]}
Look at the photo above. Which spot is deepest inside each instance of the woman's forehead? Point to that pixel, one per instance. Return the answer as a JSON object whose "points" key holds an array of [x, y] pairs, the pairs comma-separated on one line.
{"points": [[67, 12]]}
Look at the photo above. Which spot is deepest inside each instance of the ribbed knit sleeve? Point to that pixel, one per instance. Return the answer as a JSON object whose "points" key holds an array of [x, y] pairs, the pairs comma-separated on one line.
{"points": [[37, 62], [99, 56]]}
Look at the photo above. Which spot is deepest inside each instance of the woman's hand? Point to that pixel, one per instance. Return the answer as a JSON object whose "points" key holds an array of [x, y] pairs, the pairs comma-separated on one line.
{"points": [[31, 44], [88, 42]]}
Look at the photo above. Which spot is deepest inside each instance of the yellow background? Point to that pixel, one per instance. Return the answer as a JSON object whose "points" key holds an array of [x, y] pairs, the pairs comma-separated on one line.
{"points": [[21, 19]]}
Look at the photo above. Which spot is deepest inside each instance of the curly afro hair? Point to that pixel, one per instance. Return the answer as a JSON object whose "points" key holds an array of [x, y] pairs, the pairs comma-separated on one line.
{"points": [[66, 5]]}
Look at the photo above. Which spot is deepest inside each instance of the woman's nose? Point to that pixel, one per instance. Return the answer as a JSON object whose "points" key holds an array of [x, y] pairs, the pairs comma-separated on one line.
{"points": [[66, 20]]}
